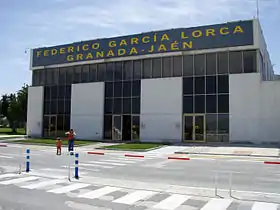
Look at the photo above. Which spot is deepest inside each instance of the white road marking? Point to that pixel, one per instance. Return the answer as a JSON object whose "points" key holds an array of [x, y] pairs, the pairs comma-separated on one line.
{"points": [[134, 197], [2, 176], [172, 202], [120, 161], [43, 184], [8, 157], [114, 164], [99, 192], [19, 180], [94, 165], [266, 206], [217, 204], [68, 188]]}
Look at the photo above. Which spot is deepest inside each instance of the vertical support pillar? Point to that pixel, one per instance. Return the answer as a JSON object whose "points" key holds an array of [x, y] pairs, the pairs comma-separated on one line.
{"points": [[77, 166], [27, 160]]}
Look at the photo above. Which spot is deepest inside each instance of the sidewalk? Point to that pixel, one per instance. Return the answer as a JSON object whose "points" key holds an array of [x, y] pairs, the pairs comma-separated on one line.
{"points": [[11, 137], [230, 151]]}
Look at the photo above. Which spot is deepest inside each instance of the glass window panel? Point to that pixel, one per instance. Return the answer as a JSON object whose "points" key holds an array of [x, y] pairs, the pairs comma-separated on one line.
{"points": [[250, 61], [188, 86], [118, 71], [235, 62], [35, 78], [60, 107], [199, 85], [117, 105], [177, 66], [117, 89], [93, 73], [101, 72], [211, 64], [188, 104], [68, 91], [108, 106], [136, 105], [127, 89], [211, 127], [108, 127], [199, 104], [199, 64], [62, 76], [136, 88], [137, 70], [223, 103], [109, 90], [126, 106], [41, 77], [49, 76], [147, 68], [211, 104], [188, 65], [127, 70], [223, 63], [85, 73], [54, 92], [53, 107], [47, 107], [60, 125], [69, 75], [223, 84], [211, 85], [77, 74], [47, 93], [61, 92], [166, 66], [67, 105], [55, 76], [109, 71], [223, 123], [156, 62], [66, 122]]}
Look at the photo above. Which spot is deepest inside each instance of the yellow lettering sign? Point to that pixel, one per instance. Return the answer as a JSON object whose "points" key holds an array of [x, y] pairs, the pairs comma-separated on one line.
{"points": [[70, 58], [70, 49], [161, 48], [54, 51], [152, 49], [38, 53], [197, 33], [89, 56], [133, 51], [183, 36], [79, 57], [100, 54], [112, 44], [46, 52], [123, 42], [224, 31], [110, 53], [121, 52], [62, 50], [187, 45], [95, 46], [85, 47], [164, 37], [146, 39], [174, 46], [238, 29], [210, 31], [134, 40]]}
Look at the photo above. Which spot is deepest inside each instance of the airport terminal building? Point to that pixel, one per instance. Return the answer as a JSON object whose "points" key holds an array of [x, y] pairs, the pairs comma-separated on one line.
{"points": [[210, 83]]}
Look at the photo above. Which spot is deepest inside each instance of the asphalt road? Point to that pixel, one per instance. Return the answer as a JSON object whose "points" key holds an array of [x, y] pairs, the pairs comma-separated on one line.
{"points": [[246, 175]]}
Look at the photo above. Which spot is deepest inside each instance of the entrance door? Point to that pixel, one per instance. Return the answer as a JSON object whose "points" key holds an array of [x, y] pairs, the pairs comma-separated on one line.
{"points": [[117, 127], [194, 128], [50, 126]]}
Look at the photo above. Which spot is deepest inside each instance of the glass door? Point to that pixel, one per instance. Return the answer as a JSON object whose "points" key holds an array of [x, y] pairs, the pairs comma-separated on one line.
{"points": [[117, 127], [199, 121], [135, 127], [53, 126], [194, 128], [188, 128]]}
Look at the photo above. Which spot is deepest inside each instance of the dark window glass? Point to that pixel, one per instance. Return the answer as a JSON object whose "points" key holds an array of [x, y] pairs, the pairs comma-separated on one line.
{"points": [[47, 107], [77, 74], [188, 65], [137, 70], [235, 62], [223, 84], [69, 75], [108, 106], [199, 64], [223, 63], [67, 108], [54, 107], [60, 106], [93, 73], [35, 78], [211, 127], [55, 76], [126, 106], [223, 123], [199, 104], [147, 68], [60, 123], [156, 62], [54, 92], [127, 70], [166, 66], [49, 77], [66, 122], [118, 89], [107, 127], [68, 91], [211, 104], [250, 61], [109, 89], [188, 104], [177, 66], [223, 103], [117, 105], [136, 105], [101, 72], [199, 85], [188, 86], [118, 71], [62, 76], [211, 64], [127, 89], [136, 88], [47, 93], [61, 92], [85, 73], [41, 77], [211, 85], [109, 71]]}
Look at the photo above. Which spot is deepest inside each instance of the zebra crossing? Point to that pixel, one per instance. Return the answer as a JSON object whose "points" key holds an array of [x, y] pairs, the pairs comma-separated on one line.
{"points": [[124, 198]]}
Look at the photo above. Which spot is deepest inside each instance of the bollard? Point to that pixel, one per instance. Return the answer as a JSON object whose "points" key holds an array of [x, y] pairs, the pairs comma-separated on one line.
{"points": [[76, 166], [27, 160]]}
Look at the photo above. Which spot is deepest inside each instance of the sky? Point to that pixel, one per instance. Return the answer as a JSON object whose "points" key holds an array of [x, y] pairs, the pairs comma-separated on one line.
{"points": [[35, 23]]}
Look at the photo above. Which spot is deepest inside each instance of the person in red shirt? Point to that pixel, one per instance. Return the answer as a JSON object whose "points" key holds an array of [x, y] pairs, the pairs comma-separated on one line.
{"points": [[71, 136], [58, 146]]}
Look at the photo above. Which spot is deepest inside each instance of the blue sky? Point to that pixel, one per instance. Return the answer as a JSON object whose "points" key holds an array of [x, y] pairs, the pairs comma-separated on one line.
{"points": [[34, 23]]}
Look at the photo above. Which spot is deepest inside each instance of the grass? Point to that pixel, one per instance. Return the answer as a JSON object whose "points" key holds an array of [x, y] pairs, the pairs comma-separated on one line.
{"points": [[52, 142], [8, 131], [134, 146]]}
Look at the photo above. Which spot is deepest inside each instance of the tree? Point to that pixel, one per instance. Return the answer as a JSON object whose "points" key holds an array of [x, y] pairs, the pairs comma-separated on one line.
{"points": [[4, 105]]}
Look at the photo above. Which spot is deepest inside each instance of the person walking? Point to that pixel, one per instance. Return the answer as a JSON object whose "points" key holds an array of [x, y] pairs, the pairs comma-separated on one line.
{"points": [[71, 136], [58, 146]]}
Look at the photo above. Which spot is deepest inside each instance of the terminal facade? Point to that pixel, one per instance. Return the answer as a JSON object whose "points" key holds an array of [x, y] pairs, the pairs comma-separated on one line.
{"points": [[203, 84]]}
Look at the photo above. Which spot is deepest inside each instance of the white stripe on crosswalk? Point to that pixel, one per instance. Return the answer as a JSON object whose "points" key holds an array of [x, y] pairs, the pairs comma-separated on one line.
{"points": [[95, 165], [120, 161], [99, 192], [68, 188], [114, 164], [8, 157], [134, 197], [43, 184], [266, 206], [172, 202], [217, 204], [2, 176], [19, 180]]}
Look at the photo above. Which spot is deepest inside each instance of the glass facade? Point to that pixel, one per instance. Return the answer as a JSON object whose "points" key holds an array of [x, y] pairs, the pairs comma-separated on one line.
{"points": [[205, 88]]}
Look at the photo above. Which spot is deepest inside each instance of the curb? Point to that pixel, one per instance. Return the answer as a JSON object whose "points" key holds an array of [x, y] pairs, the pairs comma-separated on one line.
{"points": [[272, 162], [137, 156], [131, 150], [177, 158], [3, 145], [95, 153]]}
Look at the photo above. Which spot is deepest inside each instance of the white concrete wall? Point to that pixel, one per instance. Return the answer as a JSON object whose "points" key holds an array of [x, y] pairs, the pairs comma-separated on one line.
{"points": [[35, 107], [87, 107], [161, 110]]}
